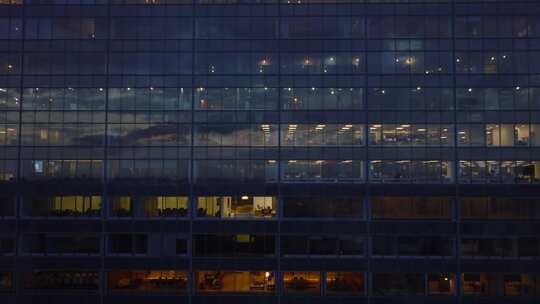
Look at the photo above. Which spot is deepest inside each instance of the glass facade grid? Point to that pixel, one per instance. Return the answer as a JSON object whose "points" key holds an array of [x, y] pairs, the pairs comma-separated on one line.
{"points": [[270, 148]]}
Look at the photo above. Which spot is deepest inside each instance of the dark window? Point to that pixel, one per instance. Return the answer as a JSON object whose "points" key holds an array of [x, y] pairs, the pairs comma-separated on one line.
{"points": [[62, 280], [491, 208], [6, 281], [411, 207], [315, 206], [489, 247], [181, 246], [322, 245], [61, 244], [7, 245], [412, 246], [340, 283], [128, 244], [233, 245], [7, 204], [528, 247], [398, 284]]}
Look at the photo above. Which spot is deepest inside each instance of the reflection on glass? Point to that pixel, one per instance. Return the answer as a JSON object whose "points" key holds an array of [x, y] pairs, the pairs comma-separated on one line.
{"points": [[209, 99], [408, 171], [321, 134], [316, 98], [216, 135], [90, 170], [322, 170], [235, 171], [410, 134]]}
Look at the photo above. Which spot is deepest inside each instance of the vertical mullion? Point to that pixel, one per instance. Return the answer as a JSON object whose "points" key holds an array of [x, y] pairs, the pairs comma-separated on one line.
{"points": [[105, 197], [15, 275], [367, 187], [456, 200], [278, 276], [191, 166]]}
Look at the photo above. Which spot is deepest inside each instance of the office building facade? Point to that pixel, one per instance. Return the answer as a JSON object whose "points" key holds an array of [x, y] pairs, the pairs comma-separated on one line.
{"points": [[269, 151]]}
